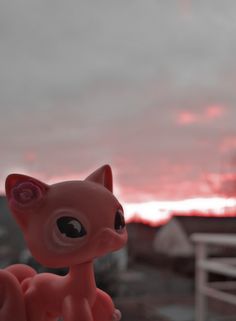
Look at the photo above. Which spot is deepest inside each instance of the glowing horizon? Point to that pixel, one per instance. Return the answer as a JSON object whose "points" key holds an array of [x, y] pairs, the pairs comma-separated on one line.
{"points": [[159, 212]]}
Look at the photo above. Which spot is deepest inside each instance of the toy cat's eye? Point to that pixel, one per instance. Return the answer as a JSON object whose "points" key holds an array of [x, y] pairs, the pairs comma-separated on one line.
{"points": [[119, 220], [70, 227]]}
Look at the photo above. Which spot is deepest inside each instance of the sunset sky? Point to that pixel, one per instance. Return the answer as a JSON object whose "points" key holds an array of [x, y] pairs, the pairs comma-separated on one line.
{"points": [[146, 86]]}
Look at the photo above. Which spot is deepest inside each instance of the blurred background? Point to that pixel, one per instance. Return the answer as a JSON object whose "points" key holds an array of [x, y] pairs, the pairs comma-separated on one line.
{"points": [[148, 87]]}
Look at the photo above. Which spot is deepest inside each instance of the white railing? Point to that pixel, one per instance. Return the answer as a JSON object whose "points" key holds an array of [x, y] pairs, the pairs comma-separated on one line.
{"points": [[204, 265]]}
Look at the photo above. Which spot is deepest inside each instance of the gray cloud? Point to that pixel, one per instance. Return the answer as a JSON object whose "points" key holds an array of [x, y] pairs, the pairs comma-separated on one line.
{"points": [[84, 83]]}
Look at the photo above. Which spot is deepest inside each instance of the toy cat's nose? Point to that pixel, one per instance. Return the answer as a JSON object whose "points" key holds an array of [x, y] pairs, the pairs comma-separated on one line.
{"points": [[110, 240]]}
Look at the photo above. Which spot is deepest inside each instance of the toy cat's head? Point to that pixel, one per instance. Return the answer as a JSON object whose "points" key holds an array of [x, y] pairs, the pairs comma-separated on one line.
{"points": [[68, 223]]}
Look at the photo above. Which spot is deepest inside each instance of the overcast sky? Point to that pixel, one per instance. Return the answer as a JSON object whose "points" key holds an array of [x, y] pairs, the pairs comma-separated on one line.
{"points": [[147, 86]]}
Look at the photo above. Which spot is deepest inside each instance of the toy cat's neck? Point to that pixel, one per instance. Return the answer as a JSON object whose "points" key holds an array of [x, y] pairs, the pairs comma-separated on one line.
{"points": [[83, 274]]}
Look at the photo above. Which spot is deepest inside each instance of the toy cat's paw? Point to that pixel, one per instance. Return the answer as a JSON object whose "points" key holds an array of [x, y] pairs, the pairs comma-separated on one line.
{"points": [[116, 315]]}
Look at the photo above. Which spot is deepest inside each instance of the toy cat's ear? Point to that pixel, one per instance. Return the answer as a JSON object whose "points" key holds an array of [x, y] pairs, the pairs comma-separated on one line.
{"points": [[24, 190], [23, 193], [103, 176]]}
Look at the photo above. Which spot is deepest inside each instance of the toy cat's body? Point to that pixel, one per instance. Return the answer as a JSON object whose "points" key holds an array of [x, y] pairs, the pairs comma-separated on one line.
{"points": [[66, 224]]}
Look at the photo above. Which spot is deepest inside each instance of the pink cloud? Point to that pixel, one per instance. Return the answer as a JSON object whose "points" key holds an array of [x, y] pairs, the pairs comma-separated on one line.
{"points": [[160, 181], [214, 111], [164, 189], [209, 113], [223, 184], [187, 118]]}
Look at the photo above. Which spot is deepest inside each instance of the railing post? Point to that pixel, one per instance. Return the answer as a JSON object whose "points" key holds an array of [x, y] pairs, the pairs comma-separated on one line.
{"points": [[200, 283]]}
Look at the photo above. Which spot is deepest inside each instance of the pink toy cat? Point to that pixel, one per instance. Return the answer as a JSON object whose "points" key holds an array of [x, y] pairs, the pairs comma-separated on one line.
{"points": [[65, 224]]}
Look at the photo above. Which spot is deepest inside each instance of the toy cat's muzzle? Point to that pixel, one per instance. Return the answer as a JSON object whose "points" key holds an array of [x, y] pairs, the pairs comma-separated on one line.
{"points": [[111, 240]]}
